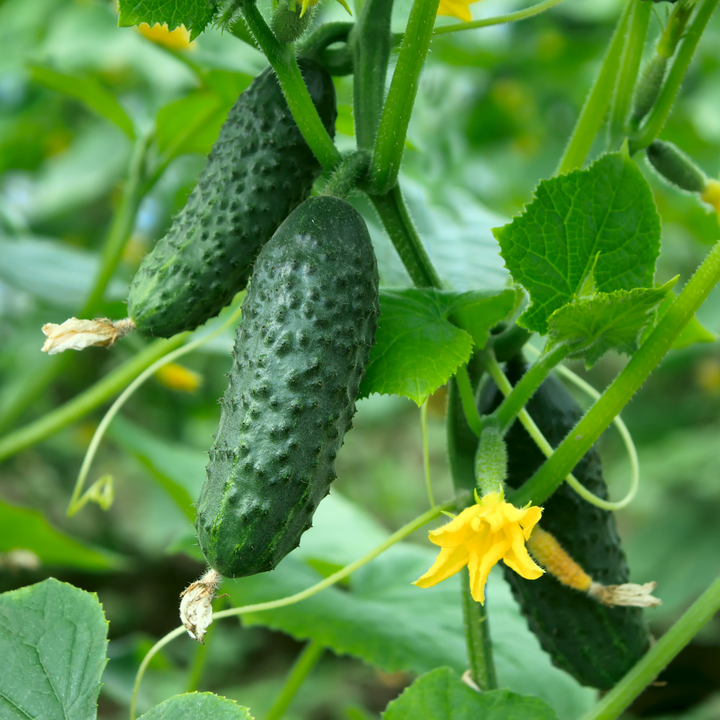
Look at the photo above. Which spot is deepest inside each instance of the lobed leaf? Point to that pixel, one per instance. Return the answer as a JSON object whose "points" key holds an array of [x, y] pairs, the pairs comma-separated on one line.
{"points": [[603, 218], [193, 14], [419, 345]]}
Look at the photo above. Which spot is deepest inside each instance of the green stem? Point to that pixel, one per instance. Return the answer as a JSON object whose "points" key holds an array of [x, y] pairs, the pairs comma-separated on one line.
{"points": [[659, 114], [477, 635], [306, 661], [396, 537], [88, 400], [629, 68], [426, 453], [499, 19], [526, 387], [282, 58], [399, 226], [394, 122], [199, 661], [659, 656], [350, 171], [371, 42], [597, 102], [467, 397], [509, 342], [113, 247], [618, 394]]}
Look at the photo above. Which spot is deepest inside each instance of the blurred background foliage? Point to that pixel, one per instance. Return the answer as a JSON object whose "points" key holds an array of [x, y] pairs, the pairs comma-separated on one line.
{"points": [[495, 108]]}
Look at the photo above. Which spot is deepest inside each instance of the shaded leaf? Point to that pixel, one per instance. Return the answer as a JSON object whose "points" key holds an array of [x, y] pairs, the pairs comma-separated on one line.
{"points": [[606, 321], [55, 637], [604, 216], [88, 90], [25, 529], [417, 349], [193, 14], [198, 705], [442, 695]]}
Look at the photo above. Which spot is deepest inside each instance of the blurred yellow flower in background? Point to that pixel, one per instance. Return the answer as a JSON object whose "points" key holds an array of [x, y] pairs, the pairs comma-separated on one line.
{"points": [[456, 8], [479, 537], [177, 39]]}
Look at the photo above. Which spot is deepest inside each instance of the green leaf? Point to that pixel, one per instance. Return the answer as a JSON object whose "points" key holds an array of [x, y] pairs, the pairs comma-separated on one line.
{"points": [[418, 348], [25, 529], [177, 468], [203, 706], [606, 321], [442, 695], [193, 14], [605, 212], [89, 91], [53, 639]]}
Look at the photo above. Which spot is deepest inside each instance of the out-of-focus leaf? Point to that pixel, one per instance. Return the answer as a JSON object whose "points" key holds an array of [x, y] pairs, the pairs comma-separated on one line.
{"points": [[442, 695], [417, 348], [178, 469], [25, 529], [193, 14], [89, 91], [53, 643], [202, 706], [601, 219], [53, 271]]}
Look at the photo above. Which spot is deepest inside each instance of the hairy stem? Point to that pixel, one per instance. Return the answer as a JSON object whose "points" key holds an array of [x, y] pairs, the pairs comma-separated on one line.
{"points": [[399, 226], [618, 394], [477, 635], [306, 661], [467, 397], [394, 122], [282, 58], [597, 102]]}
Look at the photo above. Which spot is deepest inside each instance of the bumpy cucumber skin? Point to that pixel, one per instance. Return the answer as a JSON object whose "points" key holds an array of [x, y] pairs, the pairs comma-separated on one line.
{"points": [[594, 643], [308, 323], [673, 165], [258, 171]]}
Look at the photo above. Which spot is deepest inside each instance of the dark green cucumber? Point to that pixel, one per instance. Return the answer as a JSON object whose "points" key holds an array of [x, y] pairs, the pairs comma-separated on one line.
{"points": [[594, 643], [308, 322], [258, 171]]}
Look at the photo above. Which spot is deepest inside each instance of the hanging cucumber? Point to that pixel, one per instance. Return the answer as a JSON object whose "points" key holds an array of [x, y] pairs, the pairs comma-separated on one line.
{"points": [[258, 171], [308, 322], [594, 643]]}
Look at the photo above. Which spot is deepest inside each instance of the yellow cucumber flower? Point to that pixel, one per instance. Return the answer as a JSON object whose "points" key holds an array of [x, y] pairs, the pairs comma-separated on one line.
{"points": [[177, 39], [479, 537], [456, 8]]}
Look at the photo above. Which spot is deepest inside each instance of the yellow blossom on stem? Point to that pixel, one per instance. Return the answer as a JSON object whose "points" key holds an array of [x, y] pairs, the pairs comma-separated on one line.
{"points": [[456, 8], [311, 3], [479, 537]]}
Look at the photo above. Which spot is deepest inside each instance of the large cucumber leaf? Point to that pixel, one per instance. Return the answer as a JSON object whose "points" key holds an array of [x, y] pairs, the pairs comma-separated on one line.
{"points": [[197, 705], [193, 14]]}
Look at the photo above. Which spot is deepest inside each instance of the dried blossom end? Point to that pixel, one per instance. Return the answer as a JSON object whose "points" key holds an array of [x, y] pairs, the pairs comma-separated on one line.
{"points": [[75, 334], [196, 604], [627, 595]]}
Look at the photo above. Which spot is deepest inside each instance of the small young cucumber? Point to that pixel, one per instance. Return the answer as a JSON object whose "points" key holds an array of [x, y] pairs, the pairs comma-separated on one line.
{"points": [[594, 643], [308, 322], [258, 171]]}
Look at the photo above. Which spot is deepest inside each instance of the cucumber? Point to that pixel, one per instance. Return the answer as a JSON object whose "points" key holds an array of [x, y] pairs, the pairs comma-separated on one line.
{"points": [[594, 643], [258, 171], [308, 322]]}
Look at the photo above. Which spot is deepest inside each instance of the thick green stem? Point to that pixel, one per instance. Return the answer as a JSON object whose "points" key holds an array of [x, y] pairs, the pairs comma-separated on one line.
{"points": [[118, 234], [371, 42], [597, 101], [659, 114], [658, 657], [399, 226], [601, 414], [526, 387], [350, 171], [282, 58], [509, 342], [477, 635], [306, 661], [629, 68], [87, 401], [391, 133]]}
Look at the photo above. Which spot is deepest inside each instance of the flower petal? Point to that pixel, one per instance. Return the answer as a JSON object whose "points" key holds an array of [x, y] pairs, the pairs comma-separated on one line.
{"points": [[456, 531], [448, 562], [480, 566], [517, 557]]}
